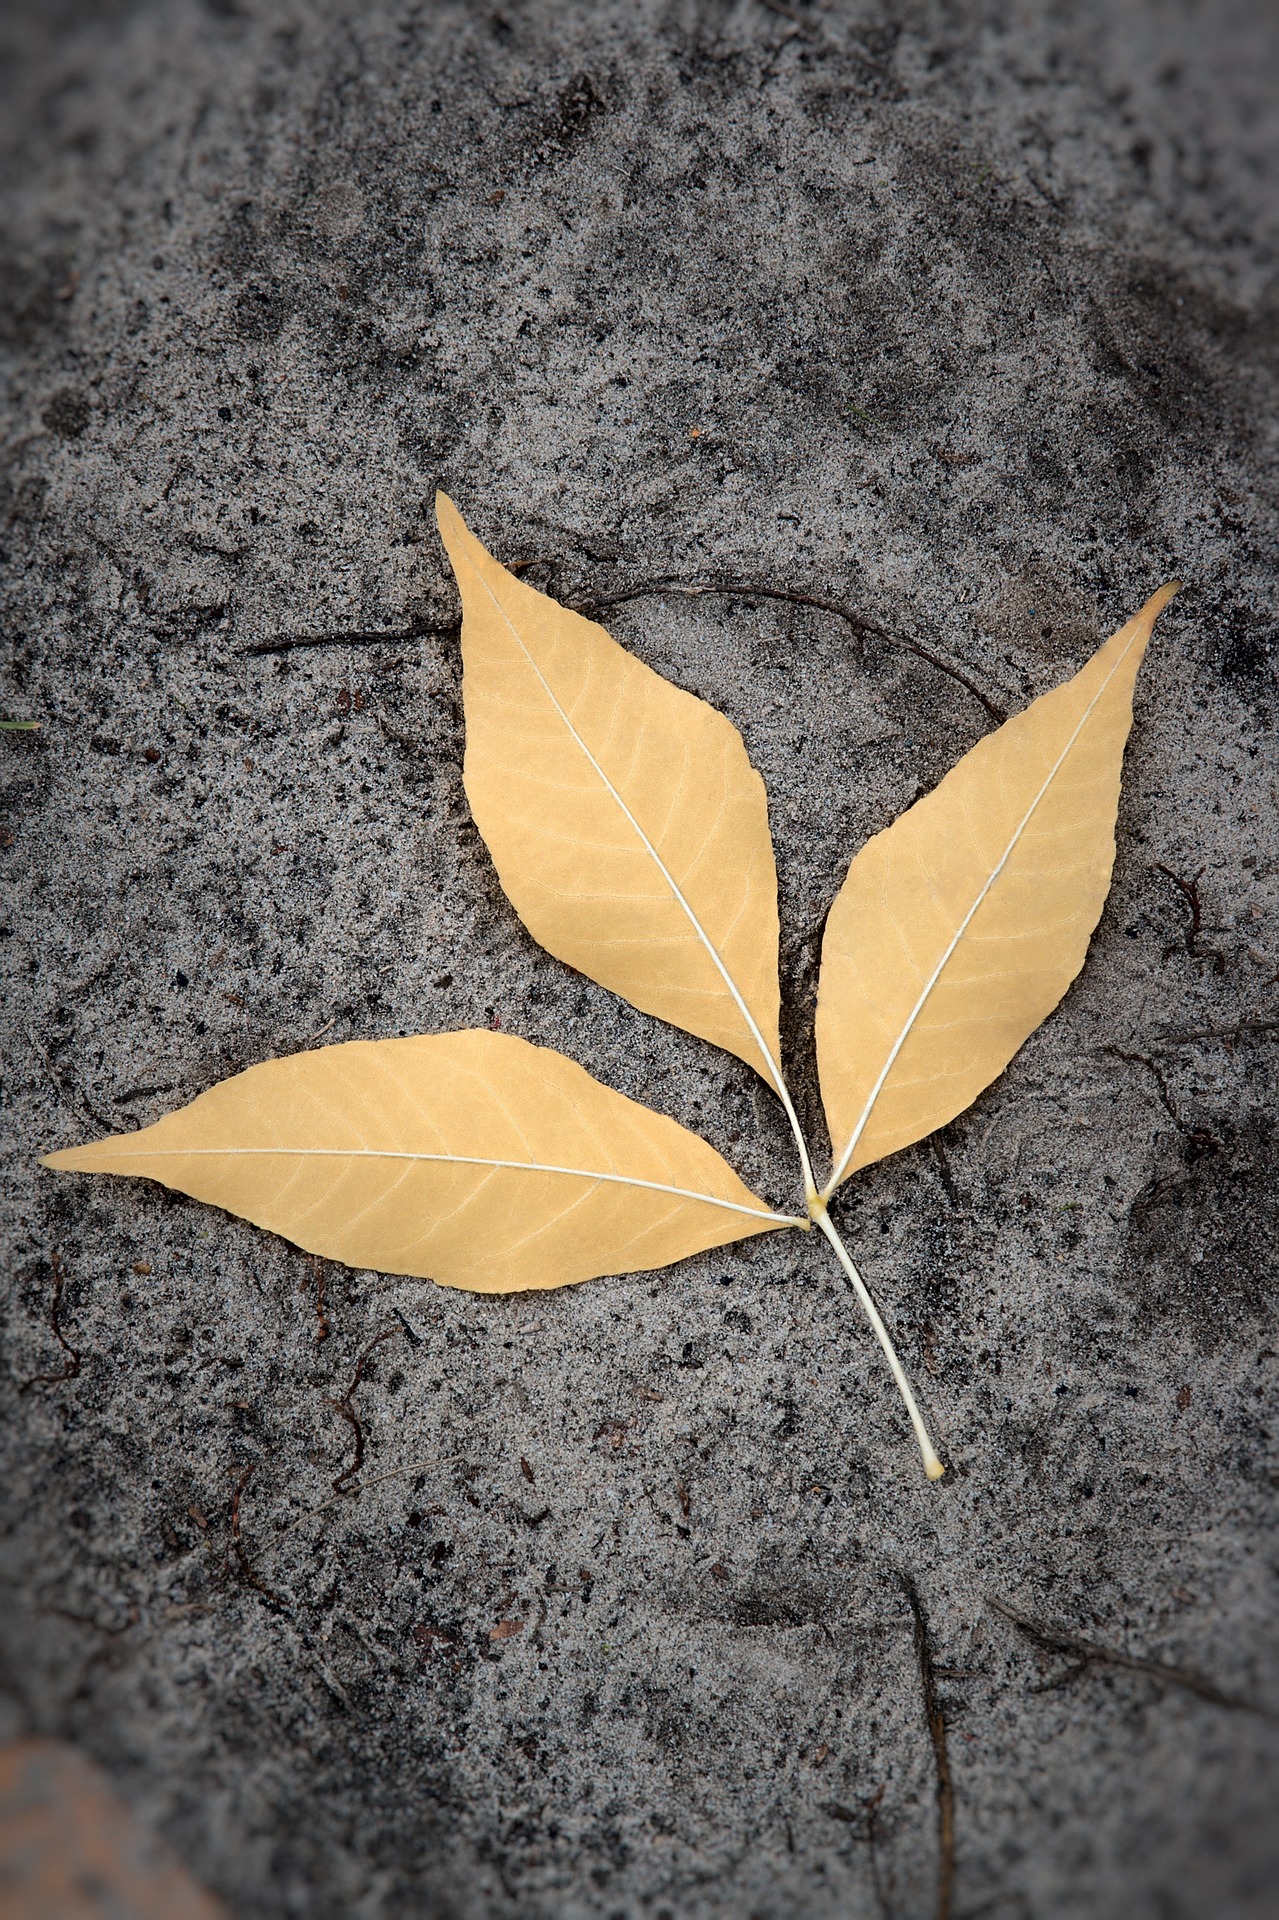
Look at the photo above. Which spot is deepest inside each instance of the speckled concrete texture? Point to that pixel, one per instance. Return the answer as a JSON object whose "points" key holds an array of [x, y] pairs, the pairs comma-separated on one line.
{"points": [[962, 317]]}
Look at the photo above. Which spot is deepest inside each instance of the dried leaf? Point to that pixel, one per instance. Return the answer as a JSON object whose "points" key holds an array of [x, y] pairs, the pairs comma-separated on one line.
{"points": [[628, 828], [470, 1158], [630, 832], [960, 927]]}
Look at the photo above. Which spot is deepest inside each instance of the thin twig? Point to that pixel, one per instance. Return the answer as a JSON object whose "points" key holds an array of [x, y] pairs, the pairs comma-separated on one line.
{"points": [[857, 622], [1195, 1134], [1143, 1060], [378, 1480], [941, 1758], [108, 1126], [1088, 1653], [317, 1269], [362, 637], [414, 1339], [1186, 1037], [398, 735], [72, 1366], [345, 1408], [236, 1548], [1189, 891], [943, 1168]]}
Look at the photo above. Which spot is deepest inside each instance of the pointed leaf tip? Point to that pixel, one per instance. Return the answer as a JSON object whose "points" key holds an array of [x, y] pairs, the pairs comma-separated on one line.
{"points": [[473, 1159], [959, 928], [74, 1159], [1159, 599], [627, 825]]}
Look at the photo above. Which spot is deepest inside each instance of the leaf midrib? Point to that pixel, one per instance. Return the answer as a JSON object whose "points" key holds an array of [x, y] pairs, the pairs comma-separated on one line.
{"points": [[467, 1160], [1005, 857], [748, 1018]]}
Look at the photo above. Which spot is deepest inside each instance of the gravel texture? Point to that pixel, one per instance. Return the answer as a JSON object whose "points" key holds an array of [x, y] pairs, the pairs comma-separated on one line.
{"points": [[961, 316]]}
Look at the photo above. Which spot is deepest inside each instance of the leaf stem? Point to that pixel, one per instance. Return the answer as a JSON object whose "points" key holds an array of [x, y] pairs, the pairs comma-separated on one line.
{"points": [[783, 1093], [932, 1465]]}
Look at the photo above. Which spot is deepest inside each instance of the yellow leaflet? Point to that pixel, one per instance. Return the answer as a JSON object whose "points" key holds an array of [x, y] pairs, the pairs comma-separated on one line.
{"points": [[628, 828], [960, 927], [470, 1158]]}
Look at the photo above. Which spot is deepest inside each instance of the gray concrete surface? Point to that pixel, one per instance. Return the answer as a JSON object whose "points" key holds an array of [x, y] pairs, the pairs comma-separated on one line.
{"points": [[964, 315]]}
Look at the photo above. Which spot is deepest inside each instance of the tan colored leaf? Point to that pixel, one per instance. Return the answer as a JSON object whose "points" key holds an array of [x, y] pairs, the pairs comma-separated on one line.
{"points": [[626, 823], [960, 927], [470, 1158]]}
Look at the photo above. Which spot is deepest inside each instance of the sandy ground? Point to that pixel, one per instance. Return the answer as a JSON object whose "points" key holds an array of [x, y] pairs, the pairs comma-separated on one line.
{"points": [[962, 317]]}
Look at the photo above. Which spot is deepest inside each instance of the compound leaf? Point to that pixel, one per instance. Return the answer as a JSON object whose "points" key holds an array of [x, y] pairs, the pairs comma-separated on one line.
{"points": [[960, 927], [469, 1158]]}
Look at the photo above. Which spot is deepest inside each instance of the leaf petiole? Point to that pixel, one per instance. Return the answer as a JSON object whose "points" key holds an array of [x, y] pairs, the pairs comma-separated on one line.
{"points": [[811, 1197], [932, 1465]]}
